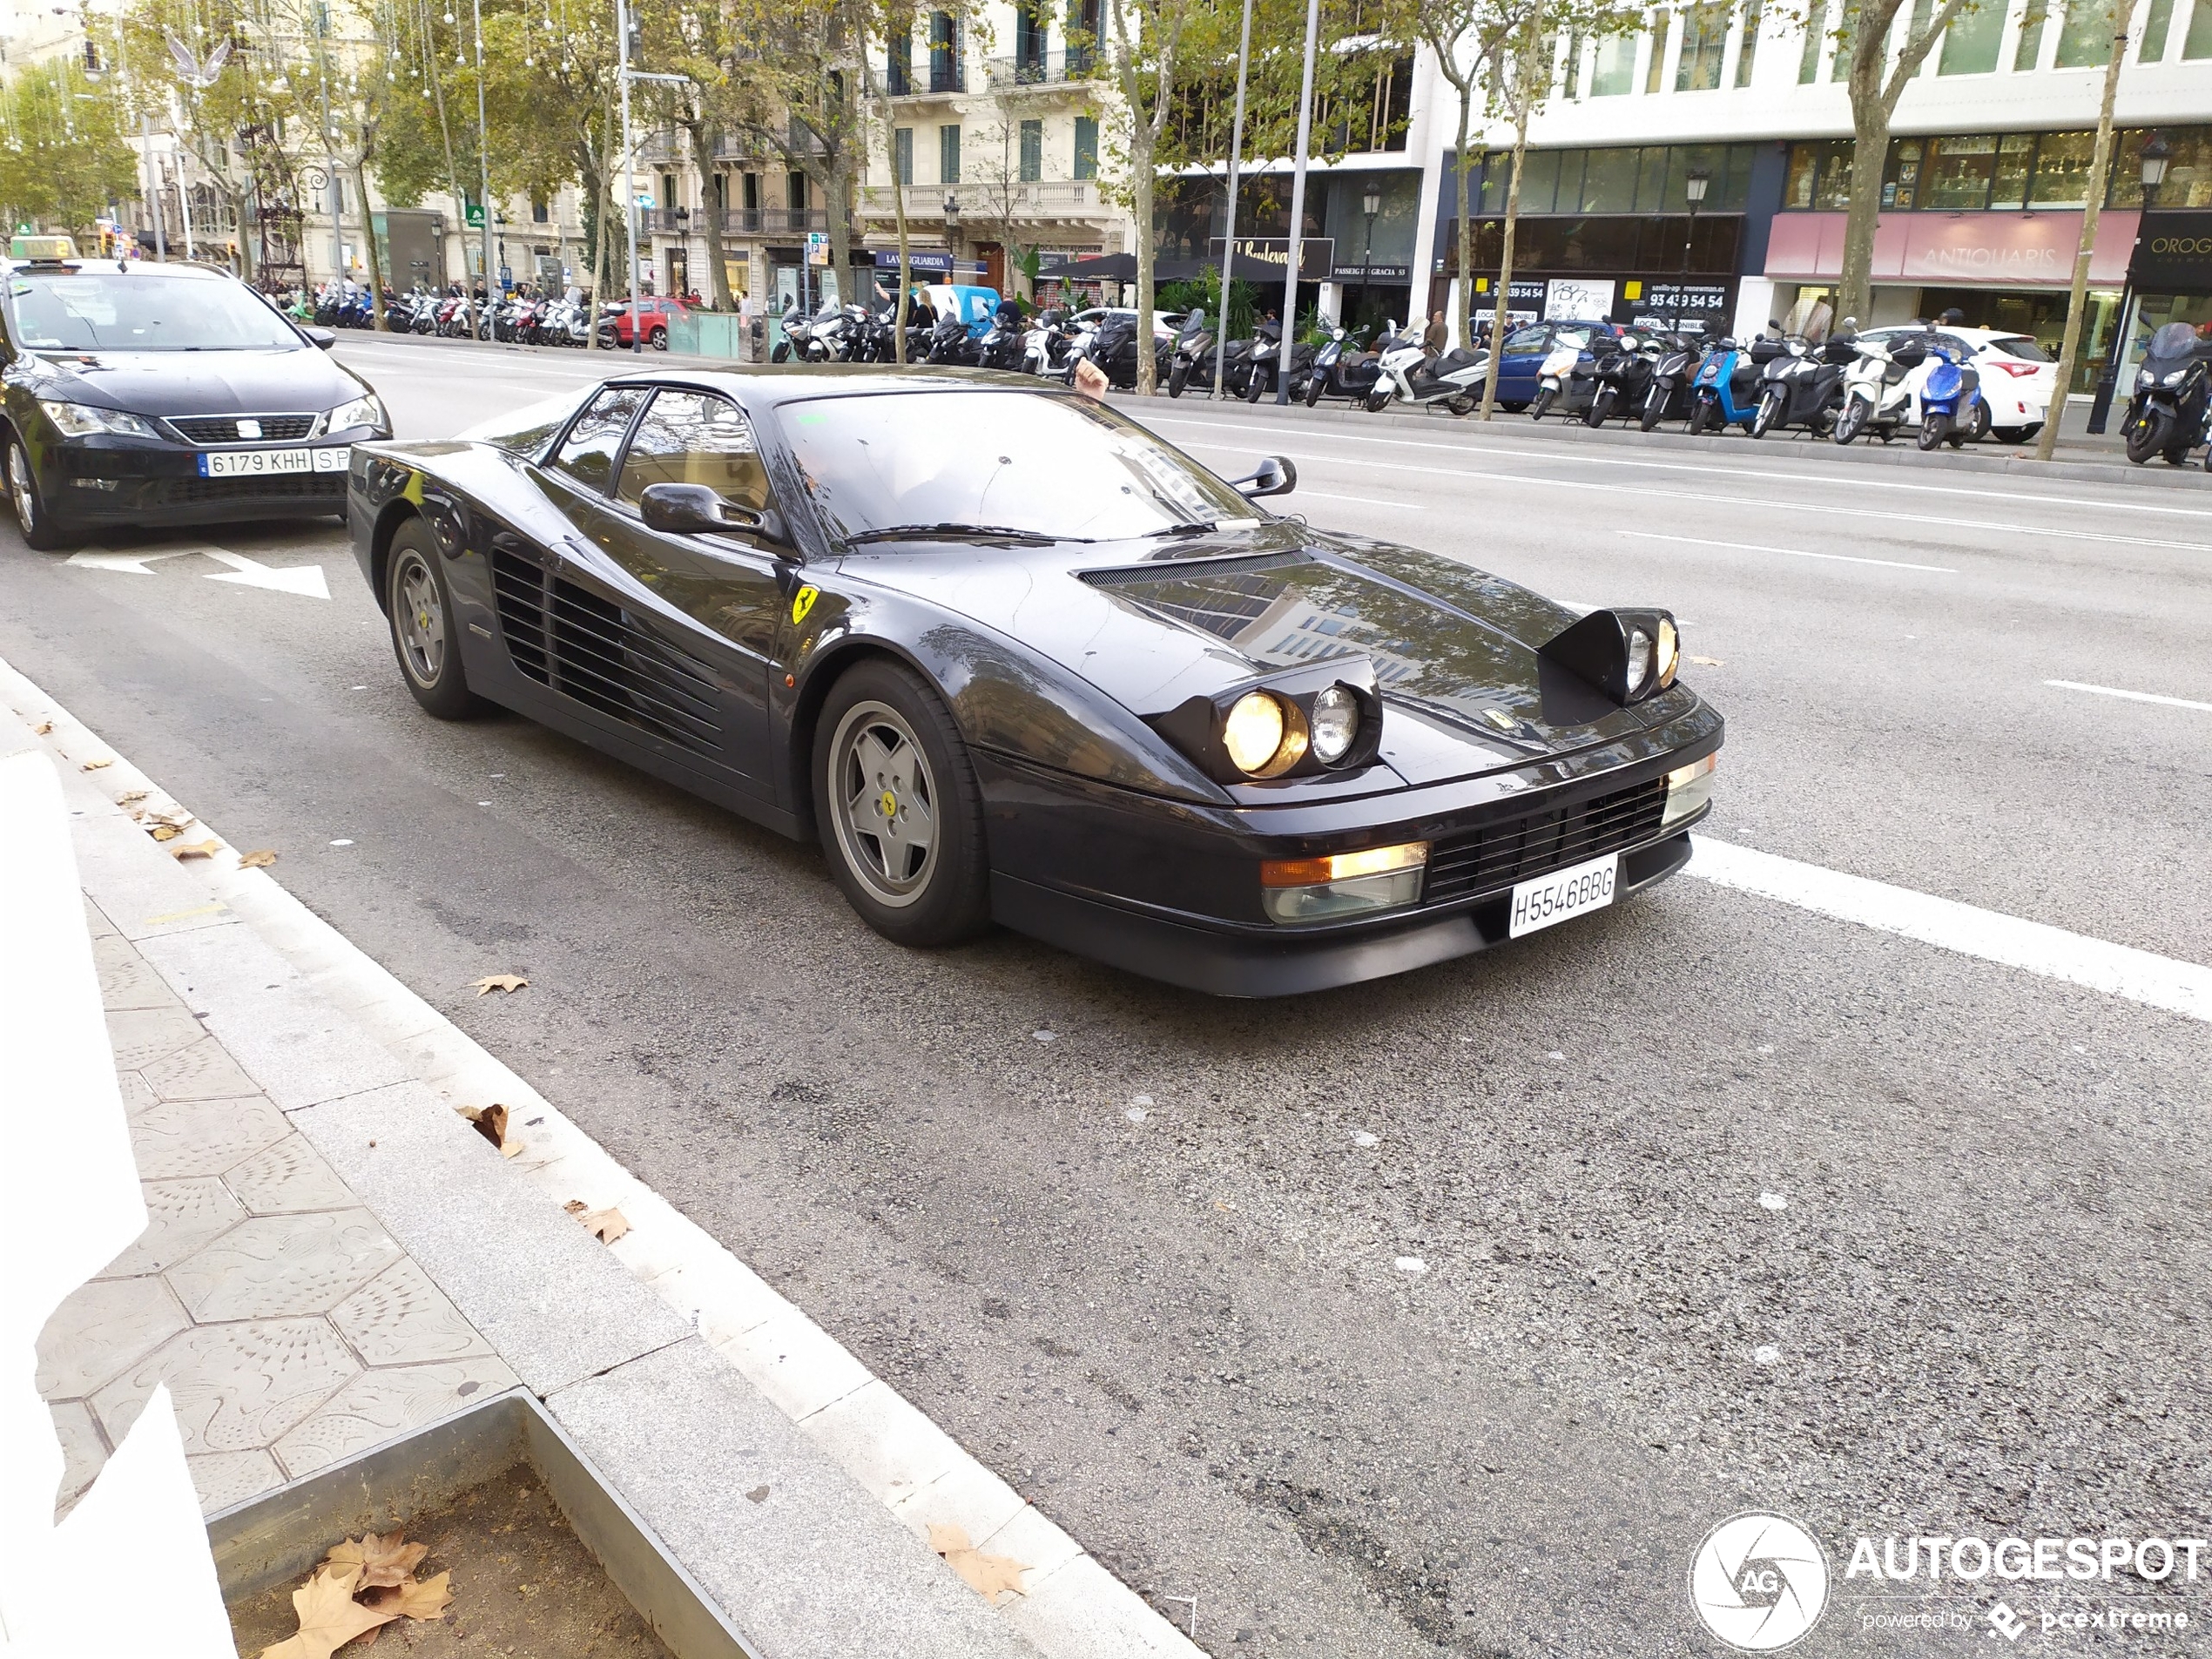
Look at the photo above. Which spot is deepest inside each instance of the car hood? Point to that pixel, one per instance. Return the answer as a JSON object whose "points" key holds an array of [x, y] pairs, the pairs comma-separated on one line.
{"points": [[194, 382], [1453, 648]]}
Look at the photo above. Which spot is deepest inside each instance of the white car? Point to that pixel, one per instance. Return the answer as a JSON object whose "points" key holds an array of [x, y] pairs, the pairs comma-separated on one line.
{"points": [[2016, 374]]}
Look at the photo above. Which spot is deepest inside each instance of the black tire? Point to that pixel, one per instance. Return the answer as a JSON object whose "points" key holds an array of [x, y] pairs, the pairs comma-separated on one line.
{"points": [[1256, 386], [1178, 377], [425, 634], [1699, 410], [1655, 408], [40, 530], [1850, 420], [1378, 401], [658, 339], [1983, 424], [1766, 415], [781, 353], [2178, 455], [2149, 436], [1542, 407], [1463, 405], [1933, 429], [1601, 410], [945, 896], [1313, 390]]}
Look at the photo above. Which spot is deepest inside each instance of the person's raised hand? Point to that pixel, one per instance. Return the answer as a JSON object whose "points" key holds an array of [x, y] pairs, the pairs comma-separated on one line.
{"points": [[1091, 381]]}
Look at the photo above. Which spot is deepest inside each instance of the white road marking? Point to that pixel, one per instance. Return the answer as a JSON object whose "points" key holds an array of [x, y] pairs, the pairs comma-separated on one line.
{"points": [[305, 580], [1362, 501], [131, 564], [2133, 697], [2036, 947], [1525, 452], [1794, 552]]}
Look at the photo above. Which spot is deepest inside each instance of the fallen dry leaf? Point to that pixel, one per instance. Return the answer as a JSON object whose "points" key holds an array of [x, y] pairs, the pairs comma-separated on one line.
{"points": [[422, 1598], [94, 765], [259, 860], [42, 728], [329, 1617], [197, 850], [379, 1560], [132, 799], [165, 831], [605, 1225], [1708, 662], [499, 982], [988, 1575]]}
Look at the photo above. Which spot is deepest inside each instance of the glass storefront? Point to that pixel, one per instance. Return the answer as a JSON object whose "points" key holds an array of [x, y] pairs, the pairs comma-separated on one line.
{"points": [[2003, 171]]}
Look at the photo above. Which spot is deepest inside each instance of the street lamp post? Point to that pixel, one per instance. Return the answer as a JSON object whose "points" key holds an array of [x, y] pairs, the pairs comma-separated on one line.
{"points": [[1296, 250], [1693, 186], [2157, 154], [1370, 204], [1229, 230], [483, 165], [952, 236]]}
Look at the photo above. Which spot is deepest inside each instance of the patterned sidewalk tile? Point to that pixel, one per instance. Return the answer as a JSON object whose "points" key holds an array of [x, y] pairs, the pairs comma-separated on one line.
{"points": [[236, 1386], [128, 980], [182, 1216], [103, 1329], [270, 1266], [378, 1406], [203, 1136], [202, 1071], [290, 1176], [83, 1451], [225, 1478], [401, 1319]]}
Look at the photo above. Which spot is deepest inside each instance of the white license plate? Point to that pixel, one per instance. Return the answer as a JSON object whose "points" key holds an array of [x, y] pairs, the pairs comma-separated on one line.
{"points": [[1546, 900], [262, 464]]}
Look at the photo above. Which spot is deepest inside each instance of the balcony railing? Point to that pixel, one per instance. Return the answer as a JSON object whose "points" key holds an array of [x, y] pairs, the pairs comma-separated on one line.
{"points": [[1042, 198], [1041, 68]]}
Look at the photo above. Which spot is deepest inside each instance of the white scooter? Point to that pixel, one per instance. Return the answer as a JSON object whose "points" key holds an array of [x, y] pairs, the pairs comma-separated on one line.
{"points": [[1552, 374], [1454, 378], [1882, 389]]}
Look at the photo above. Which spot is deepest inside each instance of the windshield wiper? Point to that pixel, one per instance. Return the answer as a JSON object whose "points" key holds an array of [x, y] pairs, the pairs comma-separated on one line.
{"points": [[953, 532]]}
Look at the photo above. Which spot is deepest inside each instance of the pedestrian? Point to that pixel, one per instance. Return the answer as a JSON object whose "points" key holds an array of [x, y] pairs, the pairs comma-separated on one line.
{"points": [[1439, 337]]}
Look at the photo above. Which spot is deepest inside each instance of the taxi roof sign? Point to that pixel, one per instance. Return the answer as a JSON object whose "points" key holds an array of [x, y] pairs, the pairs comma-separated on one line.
{"points": [[44, 247]]}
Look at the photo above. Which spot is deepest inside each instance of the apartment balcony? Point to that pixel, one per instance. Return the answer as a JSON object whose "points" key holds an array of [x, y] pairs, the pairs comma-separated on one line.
{"points": [[1042, 70], [740, 221], [982, 204], [944, 75], [672, 149]]}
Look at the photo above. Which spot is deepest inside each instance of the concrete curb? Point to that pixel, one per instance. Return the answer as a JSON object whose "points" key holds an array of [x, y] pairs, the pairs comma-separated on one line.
{"points": [[682, 1373]]}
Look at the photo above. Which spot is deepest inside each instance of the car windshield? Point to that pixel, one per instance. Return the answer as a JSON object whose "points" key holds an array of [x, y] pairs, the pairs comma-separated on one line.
{"points": [[123, 311], [1031, 463], [2025, 347]]}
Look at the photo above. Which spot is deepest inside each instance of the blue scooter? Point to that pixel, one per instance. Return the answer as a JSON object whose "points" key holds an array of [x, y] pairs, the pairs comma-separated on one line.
{"points": [[1726, 391], [1951, 403]]}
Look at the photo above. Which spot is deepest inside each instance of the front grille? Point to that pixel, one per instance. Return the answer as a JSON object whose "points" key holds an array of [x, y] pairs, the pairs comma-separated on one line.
{"points": [[588, 649], [1497, 855], [223, 428], [325, 488]]}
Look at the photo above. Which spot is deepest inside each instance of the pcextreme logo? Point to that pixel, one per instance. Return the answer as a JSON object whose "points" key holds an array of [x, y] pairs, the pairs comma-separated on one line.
{"points": [[1759, 1581]]}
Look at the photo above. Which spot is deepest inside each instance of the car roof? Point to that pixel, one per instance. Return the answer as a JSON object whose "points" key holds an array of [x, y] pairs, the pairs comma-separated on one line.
{"points": [[154, 270], [1973, 336], [788, 382]]}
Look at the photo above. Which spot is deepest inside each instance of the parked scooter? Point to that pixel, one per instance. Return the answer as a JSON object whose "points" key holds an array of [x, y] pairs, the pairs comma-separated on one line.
{"points": [[1555, 374], [1344, 368], [1620, 373], [2167, 414], [1803, 386], [1951, 403], [1193, 364], [1878, 387], [1266, 362], [1454, 378], [1726, 390], [1668, 395]]}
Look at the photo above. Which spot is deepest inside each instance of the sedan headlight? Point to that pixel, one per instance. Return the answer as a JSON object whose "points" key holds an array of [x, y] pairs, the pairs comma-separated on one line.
{"points": [[88, 420], [365, 410], [1688, 789]]}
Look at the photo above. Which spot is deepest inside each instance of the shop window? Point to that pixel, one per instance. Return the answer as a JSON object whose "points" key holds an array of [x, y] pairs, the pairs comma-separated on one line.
{"points": [[1958, 173], [2062, 170], [2029, 52], [902, 154], [1613, 67], [1086, 146], [2189, 170], [1901, 182], [2198, 43], [1748, 51], [2015, 157], [1655, 76], [1972, 44], [1609, 182], [1819, 176], [1704, 43], [1032, 152], [2158, 22], [2085, 38], [948, 155], [1539, 180], [1651, 177]]}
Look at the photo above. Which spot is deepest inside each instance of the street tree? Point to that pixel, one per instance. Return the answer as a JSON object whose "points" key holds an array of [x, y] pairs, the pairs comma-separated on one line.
{"points": [[798, 87], [63, 156], [1146, 45]]}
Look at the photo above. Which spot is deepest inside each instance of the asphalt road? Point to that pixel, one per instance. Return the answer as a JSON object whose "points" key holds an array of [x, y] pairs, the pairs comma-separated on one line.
{"points": [[1719, 1204]]}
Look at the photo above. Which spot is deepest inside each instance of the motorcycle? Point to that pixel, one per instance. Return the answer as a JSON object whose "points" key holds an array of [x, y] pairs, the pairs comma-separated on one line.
{"points": [[1194, 344], [1951, 405], [1803, 386], [1878, 387], [1266, 362], [1345, 368], [2166, 415], [1454, 378]]}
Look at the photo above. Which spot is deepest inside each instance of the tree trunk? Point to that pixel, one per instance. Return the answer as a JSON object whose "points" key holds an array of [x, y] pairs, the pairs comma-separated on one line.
{"points": [[368, 240], [599, 274], [1463, 300], [2078, 299], [710, 215], [1523, 96], [1871, 135], [837, 198], [1140, 162]]}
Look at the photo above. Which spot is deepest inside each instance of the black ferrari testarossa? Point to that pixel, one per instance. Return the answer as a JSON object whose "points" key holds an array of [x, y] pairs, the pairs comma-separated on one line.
{"points": [[1011, 657]]}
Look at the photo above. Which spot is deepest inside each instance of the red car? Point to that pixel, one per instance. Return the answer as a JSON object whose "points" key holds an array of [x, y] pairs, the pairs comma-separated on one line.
{"points": [[623, 321]]}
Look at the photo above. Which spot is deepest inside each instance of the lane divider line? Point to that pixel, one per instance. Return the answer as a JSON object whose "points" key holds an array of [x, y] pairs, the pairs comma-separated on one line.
{"points": [[2033, 946], [1794, 552], [2133, 697], [1362, 501]]}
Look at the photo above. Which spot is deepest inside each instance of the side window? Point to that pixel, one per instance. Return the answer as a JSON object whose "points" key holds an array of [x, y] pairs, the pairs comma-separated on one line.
{"points": [[696, 438], [1524, 339], [588, 453]]}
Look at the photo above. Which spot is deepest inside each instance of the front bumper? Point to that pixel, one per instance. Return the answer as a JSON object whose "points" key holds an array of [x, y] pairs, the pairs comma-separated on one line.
{"points": [[107, 481]]}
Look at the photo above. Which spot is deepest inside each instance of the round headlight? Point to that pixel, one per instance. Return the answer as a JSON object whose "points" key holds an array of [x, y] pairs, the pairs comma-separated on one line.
{"points": [[1670, 651], [1336, 723], [1639, 659], [1253, 731]]}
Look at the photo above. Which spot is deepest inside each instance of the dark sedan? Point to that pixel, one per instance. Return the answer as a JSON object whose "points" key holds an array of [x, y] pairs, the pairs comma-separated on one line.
{"points": [[147, 393], [1010, 658]]}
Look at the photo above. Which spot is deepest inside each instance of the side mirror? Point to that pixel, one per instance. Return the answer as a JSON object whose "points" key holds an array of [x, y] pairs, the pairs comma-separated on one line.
{"points": [[694, 510], [1273, 476], [321, 339]]}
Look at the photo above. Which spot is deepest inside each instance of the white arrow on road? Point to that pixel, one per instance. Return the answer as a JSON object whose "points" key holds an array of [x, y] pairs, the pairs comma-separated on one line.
{"points": [[135, 563], [303, 579]]}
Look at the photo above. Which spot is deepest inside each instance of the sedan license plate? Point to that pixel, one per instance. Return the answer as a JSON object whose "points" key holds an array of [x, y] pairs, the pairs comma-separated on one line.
{"points": [[1546, 900], [264, 463]]}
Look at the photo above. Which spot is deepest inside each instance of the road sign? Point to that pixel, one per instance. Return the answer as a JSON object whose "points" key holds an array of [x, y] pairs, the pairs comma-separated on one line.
{"points": [[644, 198], [474, 215], [818, 247]]}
